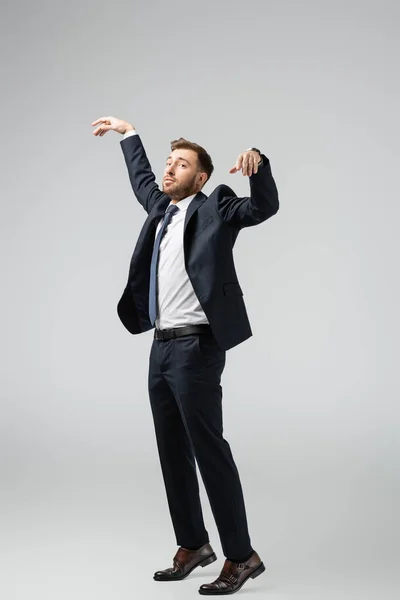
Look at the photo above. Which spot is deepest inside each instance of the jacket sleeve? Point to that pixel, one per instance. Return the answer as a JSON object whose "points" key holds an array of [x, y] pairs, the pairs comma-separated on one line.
{"points": [[141, 176], [262, 203]]}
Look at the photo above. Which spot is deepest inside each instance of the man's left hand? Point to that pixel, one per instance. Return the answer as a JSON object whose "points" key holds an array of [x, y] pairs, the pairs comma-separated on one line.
{"points": [[247, 162]]}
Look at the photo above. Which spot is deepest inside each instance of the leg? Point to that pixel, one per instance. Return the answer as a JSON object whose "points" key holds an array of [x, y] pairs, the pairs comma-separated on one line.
{"points": [[176, 455], [194, 373]]}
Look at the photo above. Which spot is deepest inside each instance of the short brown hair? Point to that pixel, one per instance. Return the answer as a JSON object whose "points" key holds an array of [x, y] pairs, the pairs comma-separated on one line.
{"points": [[203, 158]]}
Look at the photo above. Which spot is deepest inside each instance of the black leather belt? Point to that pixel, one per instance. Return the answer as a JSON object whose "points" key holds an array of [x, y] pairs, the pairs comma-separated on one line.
{"points": [[167, 334]]}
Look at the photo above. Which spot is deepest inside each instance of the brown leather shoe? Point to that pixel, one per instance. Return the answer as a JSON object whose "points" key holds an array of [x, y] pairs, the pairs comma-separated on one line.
{"points": [[185, 561], [233, 576]]}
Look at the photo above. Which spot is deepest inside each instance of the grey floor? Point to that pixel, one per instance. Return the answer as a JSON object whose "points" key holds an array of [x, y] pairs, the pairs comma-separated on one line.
{"points": [[104, 538]]}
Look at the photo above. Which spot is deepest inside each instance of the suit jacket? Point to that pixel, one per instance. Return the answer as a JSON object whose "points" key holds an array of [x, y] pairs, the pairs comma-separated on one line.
{"points": [[210, 230]]}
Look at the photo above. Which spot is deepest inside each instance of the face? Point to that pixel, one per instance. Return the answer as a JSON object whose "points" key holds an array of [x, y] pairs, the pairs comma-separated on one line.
{"points": [[181, 177]]}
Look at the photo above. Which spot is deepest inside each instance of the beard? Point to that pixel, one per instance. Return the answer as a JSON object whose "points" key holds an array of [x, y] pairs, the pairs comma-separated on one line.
{"points": [[179, 191]]}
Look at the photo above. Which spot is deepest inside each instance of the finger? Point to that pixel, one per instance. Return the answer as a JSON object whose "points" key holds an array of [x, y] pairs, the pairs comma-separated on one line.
{"points": [[104, 129], [239, 162], [101, 130], [245, 169], [233, 170], [101, 120], [97, 131], [251, 164]]}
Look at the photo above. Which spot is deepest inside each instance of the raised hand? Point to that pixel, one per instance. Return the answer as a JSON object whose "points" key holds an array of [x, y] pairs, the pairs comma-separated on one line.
{"points": [[248, 162], [111, 124]]}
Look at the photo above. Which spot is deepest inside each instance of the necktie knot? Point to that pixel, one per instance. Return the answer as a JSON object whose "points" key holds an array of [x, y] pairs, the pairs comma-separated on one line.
{"points": [[172, 208]]}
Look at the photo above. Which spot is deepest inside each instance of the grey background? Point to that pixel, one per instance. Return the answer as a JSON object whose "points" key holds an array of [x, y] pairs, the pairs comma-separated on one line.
{"points": [[311, 400]]}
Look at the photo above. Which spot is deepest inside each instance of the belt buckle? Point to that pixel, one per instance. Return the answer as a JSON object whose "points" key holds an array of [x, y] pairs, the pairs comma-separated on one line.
{"points": [[160, 334]]}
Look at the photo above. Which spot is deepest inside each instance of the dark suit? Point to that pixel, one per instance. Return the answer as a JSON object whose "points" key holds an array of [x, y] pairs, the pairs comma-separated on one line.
{"points": [[185, 372], [211, 228]]}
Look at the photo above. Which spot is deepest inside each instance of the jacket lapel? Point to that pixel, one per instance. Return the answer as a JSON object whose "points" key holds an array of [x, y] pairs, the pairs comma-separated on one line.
{"points": [[193, 206], [159, 210]]}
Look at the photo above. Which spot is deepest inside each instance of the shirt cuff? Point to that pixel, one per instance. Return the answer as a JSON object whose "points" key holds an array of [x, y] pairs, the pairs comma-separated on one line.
{"points": [[130, 132]]}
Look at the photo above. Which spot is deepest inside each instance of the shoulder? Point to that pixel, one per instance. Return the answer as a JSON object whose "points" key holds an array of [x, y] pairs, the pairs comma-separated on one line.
{"points": [[222, 190]]}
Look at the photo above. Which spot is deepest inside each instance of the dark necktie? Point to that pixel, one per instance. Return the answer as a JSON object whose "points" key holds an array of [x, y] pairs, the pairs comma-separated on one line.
{"points": [[171, 210]]}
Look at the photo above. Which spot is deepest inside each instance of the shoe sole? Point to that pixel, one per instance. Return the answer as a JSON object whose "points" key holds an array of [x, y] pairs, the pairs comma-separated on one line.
{"points": [[207, 561], [253, 575]]}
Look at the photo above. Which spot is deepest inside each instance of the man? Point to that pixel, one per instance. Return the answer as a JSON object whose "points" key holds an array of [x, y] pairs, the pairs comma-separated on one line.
{"points": [[182, 281]]}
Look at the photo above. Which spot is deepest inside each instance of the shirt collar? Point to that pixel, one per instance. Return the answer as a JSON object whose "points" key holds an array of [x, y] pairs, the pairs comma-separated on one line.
{"points": [[183, 204]]}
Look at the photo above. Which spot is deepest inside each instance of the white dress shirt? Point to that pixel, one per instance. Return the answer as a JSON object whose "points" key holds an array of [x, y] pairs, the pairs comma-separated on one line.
{"points": [[178, 304]]}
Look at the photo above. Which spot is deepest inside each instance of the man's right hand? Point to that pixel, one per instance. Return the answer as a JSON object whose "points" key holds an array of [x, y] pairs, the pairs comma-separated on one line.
{"points": [[111, 124]]}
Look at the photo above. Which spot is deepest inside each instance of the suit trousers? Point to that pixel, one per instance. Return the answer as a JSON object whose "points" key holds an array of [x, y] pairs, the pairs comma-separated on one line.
{"points": [[186, 403]]}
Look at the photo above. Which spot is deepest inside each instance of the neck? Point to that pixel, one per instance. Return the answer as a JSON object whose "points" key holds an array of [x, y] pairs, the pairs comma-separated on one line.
{"points": [[177, 199]]}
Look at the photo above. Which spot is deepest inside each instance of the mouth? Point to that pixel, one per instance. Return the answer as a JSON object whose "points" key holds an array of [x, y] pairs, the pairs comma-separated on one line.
{"points": [[168, 180]]}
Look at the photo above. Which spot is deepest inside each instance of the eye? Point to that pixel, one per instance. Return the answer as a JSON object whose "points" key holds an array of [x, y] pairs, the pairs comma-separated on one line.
{"points": [[182, 165]]}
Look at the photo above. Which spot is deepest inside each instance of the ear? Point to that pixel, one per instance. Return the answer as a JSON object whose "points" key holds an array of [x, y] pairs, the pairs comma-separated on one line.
{"points": [[203, 178]]}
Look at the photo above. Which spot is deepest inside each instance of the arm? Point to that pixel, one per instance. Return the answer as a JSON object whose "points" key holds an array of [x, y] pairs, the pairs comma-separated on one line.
{"points": [[141, 175], [263, 201], [139, 169]]}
